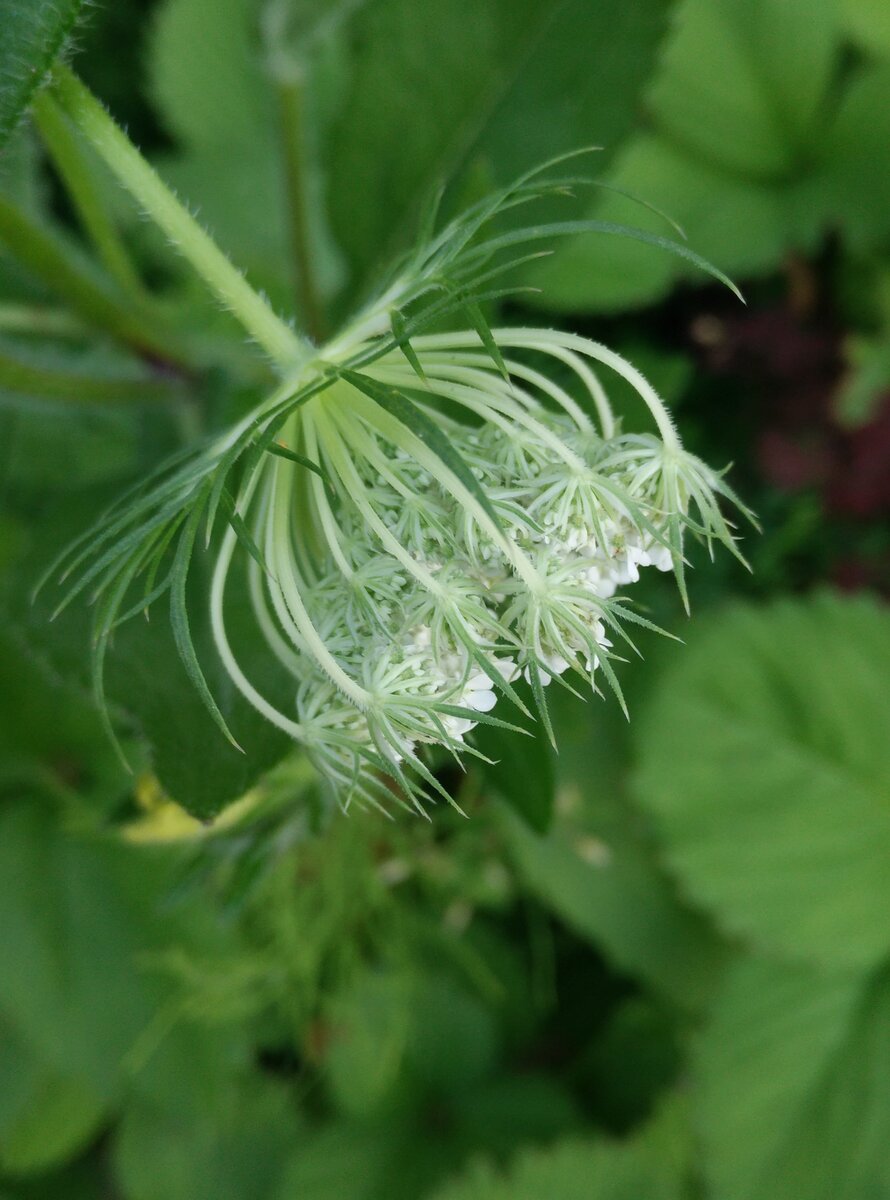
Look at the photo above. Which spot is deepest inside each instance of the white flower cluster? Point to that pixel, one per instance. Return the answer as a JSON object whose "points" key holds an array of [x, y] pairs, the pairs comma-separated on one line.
{"points": [[414, 578], [425, 519]]}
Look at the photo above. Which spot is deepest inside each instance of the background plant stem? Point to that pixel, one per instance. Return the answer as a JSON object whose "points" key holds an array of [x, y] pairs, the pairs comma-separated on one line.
{"points": [[21, 376], [67, 156], [293, 135], [48, 257]]}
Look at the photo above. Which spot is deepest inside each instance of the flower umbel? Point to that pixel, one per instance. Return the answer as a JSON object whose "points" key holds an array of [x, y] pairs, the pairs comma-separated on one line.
{"points": [[419, 518]]}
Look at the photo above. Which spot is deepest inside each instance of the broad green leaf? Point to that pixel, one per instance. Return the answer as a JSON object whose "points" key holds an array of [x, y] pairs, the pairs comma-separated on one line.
{"points": [[422, 81], [630, 1062], [756, 151], [197, 766], [49, 732], [522, 771], [597, 871], [359, 1161], [234, 1151], [732, 221], [867, 22], [33, 37], [146, 685], [60, 924], [764, 760], [741, 84], [790, 1086], [372, 1021], [45, 1116], [206, 72], [398, 1034], [452, 1044], [510, 82], [851, 182], [649, 1166], [82, 918], [59, 1120], [58, 448], [578, 88]]}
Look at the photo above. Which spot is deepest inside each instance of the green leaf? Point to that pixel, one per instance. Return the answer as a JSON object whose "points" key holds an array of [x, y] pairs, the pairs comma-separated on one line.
{"points": [[235, 1150], [763, 758], [46, 1116], [579, 87], [731, 220], [194, 761], [400, 1033], [146, 685], [522, 771], [790, 1086], [33, 37], [649, 1166], [64, 916], [597, 872], [755, 149], [430, 86], [867, 22], [741, 85], [851, 181], [359, 1161], [50, 734]]}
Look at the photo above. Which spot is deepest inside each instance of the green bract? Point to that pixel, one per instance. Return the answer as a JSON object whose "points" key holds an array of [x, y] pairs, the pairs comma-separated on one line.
{"points": [[423, 517]]}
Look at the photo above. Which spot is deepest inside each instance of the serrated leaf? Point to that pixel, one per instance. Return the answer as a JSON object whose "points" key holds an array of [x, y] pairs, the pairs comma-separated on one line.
{"points": [[790, 1085], [648, 1166], [34, 34], [764, 761]]}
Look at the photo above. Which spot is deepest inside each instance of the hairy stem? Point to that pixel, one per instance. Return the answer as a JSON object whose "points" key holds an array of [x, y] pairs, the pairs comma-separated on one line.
{"points": [[227, 283]]}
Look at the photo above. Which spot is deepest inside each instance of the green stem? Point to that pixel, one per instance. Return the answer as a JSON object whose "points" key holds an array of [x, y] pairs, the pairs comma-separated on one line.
{"points": [[291, 109], [42, 322], [25, 377], [192, 241], [50, 258], [73, 169]]}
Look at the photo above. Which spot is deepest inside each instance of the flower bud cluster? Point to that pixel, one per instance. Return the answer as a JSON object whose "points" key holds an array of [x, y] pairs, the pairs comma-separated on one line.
{"points": [[404, 597]]}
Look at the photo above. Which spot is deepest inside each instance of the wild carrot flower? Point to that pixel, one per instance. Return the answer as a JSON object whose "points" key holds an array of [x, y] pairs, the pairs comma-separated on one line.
{"points": [[423, 518]]}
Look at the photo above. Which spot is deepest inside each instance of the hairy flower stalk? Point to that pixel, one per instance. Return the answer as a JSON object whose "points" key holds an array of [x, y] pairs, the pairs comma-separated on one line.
{"points": [[419, 519]]}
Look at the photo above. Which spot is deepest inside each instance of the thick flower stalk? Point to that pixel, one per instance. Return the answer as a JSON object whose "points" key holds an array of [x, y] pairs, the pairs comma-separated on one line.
{"points": [[419, 519]]}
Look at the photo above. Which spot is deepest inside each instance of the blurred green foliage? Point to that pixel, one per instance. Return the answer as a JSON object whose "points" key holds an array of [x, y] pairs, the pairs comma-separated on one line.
{"points": [[651, 967]]}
